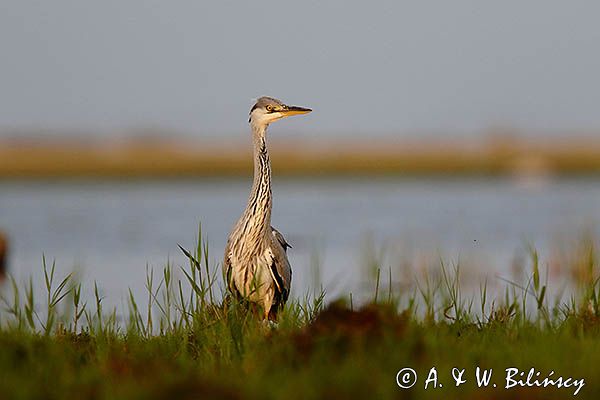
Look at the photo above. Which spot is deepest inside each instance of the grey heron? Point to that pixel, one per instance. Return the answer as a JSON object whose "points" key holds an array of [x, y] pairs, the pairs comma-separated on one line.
{"points": [[3, 255], [255, 263]]}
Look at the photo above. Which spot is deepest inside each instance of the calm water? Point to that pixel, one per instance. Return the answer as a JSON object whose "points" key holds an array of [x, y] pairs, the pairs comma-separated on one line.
{"points": [[110, 231]]}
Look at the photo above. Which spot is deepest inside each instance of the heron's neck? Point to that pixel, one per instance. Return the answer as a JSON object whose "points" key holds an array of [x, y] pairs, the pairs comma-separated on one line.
{"points": [[257, 216]]}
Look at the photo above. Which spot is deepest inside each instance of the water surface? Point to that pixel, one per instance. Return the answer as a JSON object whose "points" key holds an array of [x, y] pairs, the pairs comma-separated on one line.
{"points": [[110, 231]]}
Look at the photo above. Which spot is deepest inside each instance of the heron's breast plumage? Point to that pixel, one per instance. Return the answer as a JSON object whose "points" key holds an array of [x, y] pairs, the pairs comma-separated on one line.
{"points": [[250, 271]]}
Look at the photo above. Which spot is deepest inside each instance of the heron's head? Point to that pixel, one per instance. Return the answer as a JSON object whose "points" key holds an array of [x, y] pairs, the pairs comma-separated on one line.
{"points": [[268, 109]]}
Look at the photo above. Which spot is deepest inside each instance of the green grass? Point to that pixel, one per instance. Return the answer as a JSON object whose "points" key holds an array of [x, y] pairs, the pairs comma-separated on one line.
{"points": [[192, 344]]}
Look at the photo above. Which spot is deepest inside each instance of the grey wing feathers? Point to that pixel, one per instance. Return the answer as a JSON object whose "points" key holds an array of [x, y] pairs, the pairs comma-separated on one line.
{"points": [[281, 239], [281, 266]]}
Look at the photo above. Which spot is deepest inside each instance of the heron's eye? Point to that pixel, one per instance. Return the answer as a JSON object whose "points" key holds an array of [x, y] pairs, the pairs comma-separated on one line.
{"points": [[269, 108]]}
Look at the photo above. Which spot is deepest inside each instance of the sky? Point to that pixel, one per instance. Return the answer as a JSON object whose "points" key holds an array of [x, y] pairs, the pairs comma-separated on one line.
{"points": [[369, 67]]}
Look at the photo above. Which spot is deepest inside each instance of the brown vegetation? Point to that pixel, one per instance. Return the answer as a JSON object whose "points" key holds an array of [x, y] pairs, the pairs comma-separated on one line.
{"points": [[158, 157]]}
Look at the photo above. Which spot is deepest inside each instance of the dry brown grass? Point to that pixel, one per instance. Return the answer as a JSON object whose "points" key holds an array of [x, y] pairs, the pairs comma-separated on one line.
{"points": [[159, 158]]}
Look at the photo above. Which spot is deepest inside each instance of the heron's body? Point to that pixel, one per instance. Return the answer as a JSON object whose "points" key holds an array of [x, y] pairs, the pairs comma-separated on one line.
{"points": [[3, 255], [255, 263]]}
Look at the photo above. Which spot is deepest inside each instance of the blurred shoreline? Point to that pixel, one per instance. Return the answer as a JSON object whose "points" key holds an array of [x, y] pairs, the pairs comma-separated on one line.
{"points": [[161, 156]]}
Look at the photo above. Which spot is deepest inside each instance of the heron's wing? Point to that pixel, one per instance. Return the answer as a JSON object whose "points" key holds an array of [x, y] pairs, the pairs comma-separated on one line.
{"points": [[281, 239], [280, 267]]}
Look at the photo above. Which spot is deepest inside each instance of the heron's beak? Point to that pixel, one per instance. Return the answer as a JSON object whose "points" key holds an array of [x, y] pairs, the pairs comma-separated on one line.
{"points": [[295, 110]]}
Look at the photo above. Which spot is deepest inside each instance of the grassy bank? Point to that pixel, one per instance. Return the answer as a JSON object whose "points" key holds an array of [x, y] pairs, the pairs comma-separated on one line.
{"points": [[192, 344], [162, 158]]}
